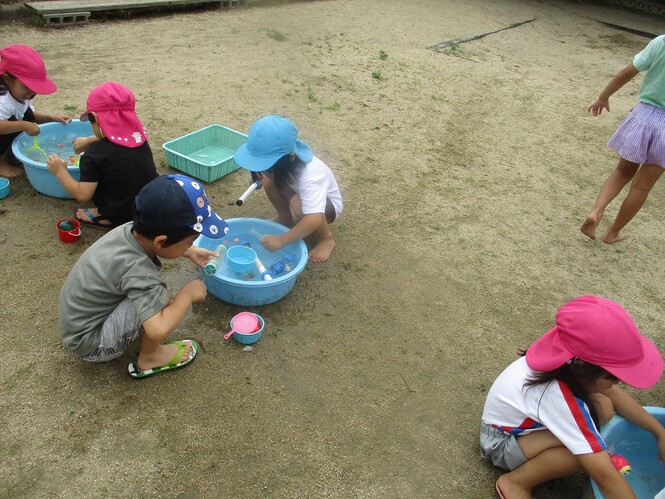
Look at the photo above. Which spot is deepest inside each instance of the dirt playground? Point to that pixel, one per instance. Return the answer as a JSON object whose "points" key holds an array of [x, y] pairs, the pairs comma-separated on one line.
{"points": [[466, 172]]}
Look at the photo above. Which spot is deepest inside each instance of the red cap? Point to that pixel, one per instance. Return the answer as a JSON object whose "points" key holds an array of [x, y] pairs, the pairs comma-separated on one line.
{"points": [[115, 105], [27, 65], [600, 332]]}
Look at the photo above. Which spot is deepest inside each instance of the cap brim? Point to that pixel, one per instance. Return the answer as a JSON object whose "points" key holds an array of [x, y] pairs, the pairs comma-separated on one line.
{"points": [[215, 229], [645, 373], [548, 352], [40, 87], [254, 163]]}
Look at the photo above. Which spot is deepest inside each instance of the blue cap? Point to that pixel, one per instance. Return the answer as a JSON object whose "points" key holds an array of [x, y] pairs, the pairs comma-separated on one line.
{"points": [[172, 201], [271, 138]]}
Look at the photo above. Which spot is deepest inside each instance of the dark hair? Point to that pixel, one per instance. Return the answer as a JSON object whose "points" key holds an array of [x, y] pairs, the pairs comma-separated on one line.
{"points": [[3, 87], [578, 375], [286, 170], [173, 234]]}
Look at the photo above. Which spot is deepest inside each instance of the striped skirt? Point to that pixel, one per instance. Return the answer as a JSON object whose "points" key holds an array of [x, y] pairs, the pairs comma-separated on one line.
{"points": [[641, 136]]}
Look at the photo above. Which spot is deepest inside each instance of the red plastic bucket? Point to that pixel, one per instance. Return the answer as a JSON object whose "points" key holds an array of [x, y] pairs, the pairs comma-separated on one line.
{"points": [[66, 233]]}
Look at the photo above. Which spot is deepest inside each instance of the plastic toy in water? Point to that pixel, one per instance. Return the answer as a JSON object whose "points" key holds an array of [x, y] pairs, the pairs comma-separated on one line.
{"points": [[66, 225], [285, 265], [621, 464], [265, 275], [214, 262]]}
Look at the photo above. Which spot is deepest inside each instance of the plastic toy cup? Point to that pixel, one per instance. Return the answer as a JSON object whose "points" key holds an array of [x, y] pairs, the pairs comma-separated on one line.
{"points": [[240, 258], [246, 328], [4, 188], [68, 229]]}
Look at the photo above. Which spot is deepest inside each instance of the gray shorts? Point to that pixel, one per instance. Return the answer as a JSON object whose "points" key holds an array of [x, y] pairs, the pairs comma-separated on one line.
{"points": [[119, 330], [500, 448]]}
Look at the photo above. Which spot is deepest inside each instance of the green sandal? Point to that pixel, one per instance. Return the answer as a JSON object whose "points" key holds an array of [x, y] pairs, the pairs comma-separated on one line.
{"points": [[136, 372]]}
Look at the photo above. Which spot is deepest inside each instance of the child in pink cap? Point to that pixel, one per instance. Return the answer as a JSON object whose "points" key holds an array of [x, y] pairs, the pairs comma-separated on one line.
{"points": [[22, 76], [117, 162], [542, 414]]}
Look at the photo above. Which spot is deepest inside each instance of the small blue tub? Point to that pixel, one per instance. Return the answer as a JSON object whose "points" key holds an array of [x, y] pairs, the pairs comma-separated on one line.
{"points": [[647, 476], [54, 138], [251, 288]]}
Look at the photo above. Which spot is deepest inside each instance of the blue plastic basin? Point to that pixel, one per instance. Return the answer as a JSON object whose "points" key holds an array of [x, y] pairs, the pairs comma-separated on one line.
{"points": [[250, 288], [647, 476], [54, 138]]}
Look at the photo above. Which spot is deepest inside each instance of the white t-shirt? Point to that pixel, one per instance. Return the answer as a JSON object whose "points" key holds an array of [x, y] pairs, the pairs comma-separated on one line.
{"points": [[517, 409], [11, 107], [315, 184]]}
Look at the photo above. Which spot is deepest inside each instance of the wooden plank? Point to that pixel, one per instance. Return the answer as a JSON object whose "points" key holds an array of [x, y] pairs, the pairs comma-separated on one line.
{"points": [[68, 6]]}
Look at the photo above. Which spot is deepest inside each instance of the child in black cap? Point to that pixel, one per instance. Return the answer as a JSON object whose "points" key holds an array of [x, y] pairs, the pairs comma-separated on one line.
{"points": [[114, 293]]}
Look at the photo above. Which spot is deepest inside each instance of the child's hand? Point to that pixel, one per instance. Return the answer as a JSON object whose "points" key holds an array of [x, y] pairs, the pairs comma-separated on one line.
{"points": [[56, 164], [61, 118], [82, 143], [272, 243], [31, 128], [596, 108], [199, 256], [196, 290]]}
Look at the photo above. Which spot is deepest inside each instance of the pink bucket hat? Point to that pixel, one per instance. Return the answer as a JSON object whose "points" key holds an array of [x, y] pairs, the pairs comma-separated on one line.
{"points": [[598, 331], [27, 65], [115, 106]]}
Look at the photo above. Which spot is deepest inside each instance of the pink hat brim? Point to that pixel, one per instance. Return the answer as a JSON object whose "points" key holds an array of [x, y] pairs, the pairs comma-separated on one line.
{"points": [[549, 353]]}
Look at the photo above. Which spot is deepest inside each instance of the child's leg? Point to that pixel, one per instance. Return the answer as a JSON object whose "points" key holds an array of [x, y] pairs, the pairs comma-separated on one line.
{"points": [[119, 330], [622, 174], [325, 243], [278, 200], [640, 187], [547, 458], [7, 169], [153, 354]]}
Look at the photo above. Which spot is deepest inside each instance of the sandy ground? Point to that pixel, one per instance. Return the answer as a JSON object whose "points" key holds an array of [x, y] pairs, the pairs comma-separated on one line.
{"points": [[465, 175]]}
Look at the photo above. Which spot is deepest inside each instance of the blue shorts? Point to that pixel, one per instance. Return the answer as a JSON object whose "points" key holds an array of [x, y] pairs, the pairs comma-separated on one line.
{"points": [[500, 448]]}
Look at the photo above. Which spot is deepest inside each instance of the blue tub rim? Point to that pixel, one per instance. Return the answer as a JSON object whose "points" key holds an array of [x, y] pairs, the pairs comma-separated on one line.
{"points": [[276, 281]]}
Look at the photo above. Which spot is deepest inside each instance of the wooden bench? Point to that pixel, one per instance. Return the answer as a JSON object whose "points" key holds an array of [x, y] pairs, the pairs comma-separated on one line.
{"points": [[67, 12]]}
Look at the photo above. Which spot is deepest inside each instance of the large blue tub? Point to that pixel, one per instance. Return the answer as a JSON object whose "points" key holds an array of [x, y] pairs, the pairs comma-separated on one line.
{"points": [[54, 138], [647, 476], [250, 288]]}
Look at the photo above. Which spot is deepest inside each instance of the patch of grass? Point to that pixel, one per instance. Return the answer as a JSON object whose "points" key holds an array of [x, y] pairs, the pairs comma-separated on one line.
{"points": [[335, 106], [70, 108], [311, 95], [378, 76], [383, 55]]}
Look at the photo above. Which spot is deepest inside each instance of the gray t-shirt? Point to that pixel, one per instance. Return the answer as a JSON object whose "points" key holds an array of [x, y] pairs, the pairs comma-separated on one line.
{"points": [[114, 268]]}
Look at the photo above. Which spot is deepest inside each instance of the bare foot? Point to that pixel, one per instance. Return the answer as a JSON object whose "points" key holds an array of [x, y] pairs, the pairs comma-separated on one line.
{"points": [[321, 252], [588, 227], [85, 217], [507, 489], [612, 237], [163, 355], [9, 171]]}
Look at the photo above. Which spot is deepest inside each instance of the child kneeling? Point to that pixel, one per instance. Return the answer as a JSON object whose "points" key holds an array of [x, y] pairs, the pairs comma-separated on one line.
{"points": [[114, 293], [296, 183], [542, 414]]}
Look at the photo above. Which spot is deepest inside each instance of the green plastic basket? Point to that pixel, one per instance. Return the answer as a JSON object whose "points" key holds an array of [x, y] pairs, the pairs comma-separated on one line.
{"points": [[207, 154]]}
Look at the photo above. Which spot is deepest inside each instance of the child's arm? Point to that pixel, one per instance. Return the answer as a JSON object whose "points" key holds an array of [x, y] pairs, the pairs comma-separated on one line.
{"points": [[28, 127], [163, 323], [49, 118], [618, 81], [611, 483], [82, 143], [629, 408], [305, 226], [199, 256], [81, 191]]}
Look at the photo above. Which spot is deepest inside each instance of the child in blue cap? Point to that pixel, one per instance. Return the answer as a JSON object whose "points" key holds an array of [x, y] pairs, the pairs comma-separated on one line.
{"points": [[296, 183], [114, 293]]}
